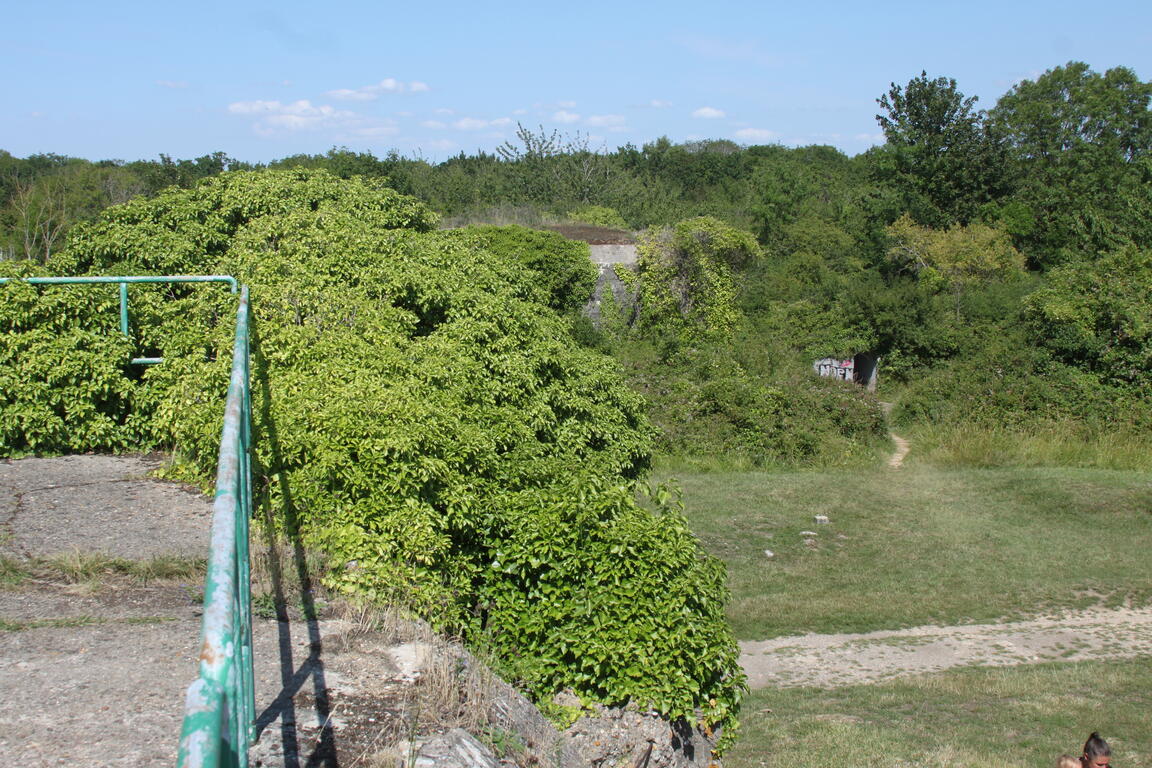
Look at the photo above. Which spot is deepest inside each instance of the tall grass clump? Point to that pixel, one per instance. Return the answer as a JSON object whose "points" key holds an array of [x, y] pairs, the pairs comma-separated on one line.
{"points": [[1051, 444]]}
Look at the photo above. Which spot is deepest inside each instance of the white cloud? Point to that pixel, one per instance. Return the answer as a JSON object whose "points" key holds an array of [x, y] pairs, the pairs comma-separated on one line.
{"points": [[372, 92], [566, 104], [273, 117], [433, 124], [756, 134], [444, 111], [520, 111], [470, 124], [659, 104], [878, 138], [345, 94], [254, 107], [565, 117], [708, 113], [605, 121], [174, 84], [501, 121]]}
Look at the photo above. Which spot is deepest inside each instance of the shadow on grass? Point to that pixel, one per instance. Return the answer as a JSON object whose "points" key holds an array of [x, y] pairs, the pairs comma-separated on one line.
{"points": [[294, 587]]}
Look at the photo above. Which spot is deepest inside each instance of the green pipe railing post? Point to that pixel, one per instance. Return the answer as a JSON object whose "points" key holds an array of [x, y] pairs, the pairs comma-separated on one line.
{"points": [[124, 308], [224, 687]]}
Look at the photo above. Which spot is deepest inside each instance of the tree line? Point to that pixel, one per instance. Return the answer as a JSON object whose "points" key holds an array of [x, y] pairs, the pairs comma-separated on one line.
{"points": [[976, 251], [1060, 164]]}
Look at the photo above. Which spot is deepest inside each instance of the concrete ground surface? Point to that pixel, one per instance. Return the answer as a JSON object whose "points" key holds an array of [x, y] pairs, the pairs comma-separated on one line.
{"points": [[94, 668]]}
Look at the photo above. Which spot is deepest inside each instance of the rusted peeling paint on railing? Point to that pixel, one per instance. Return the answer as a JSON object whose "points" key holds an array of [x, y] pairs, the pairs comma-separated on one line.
{"points": [[220, 706]]}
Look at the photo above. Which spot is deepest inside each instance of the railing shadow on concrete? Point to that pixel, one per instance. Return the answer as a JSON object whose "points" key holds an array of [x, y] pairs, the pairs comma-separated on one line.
{"points": [[320, 750]]}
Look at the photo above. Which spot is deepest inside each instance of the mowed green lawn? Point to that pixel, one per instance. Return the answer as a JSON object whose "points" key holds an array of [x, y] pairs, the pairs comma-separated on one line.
{"points": [[921, 545]]}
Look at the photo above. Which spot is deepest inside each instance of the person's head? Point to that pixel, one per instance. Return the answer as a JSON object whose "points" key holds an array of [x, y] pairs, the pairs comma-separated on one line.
{"points": [[1067, 761], [1097, 753]]}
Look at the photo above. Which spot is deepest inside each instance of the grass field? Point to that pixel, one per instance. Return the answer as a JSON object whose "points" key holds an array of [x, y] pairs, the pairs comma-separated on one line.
{"points": [[932, 544], [922, 545], [1008, 717]]}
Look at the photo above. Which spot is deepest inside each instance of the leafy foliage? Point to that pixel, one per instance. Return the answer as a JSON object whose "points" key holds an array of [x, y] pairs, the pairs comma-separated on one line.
{"points": [[424, 418], [955, 257], [598, 216], [686, 285], [939, 154], [1097, 317], [560, 266], [64, 376], [1080, 143]]}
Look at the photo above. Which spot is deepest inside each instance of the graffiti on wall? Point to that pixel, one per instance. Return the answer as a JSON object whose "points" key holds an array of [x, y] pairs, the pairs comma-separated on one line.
{"points": [[836, 369]]}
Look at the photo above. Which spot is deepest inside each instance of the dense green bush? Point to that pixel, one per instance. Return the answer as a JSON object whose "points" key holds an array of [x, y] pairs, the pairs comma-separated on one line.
{"points": [[1098, 317], [65, 379], [598, 216], [714, 403], [562, 267], [426, 420]]}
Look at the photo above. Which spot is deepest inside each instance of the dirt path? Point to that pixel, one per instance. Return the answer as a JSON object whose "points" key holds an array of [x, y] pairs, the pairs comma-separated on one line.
{"points": [[837, 660], [896, 461]]}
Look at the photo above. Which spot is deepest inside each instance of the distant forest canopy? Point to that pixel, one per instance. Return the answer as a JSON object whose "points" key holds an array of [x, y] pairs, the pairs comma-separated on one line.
{"points": [[998, 262], [1060, 164]]}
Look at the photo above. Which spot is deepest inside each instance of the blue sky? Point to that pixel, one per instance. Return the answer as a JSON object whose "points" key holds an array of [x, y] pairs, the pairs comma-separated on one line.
{"points": [[259, 81]]}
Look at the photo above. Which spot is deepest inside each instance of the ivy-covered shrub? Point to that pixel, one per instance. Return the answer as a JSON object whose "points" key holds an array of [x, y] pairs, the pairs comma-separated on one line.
{"points": [[424, 418], [562, 267], [685, 282]]}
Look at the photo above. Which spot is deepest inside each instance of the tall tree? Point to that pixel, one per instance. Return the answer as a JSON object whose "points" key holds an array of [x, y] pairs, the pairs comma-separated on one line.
{"points": [[1081, 145], [939, 153]]}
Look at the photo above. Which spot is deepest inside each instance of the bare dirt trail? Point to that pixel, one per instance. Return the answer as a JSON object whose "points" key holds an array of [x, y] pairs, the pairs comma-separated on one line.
{"points": [[837, 660], [896, 460]]}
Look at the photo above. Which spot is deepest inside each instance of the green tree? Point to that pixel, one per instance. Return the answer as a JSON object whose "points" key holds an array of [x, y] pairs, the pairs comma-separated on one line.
{"points": [[939, 153], [1081, 145], [1097, 317], [957, 257]]}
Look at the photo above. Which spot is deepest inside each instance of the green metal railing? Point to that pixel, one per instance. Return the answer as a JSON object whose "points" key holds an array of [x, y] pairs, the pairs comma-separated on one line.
{"points": [[220, 706], [124, 281]]}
